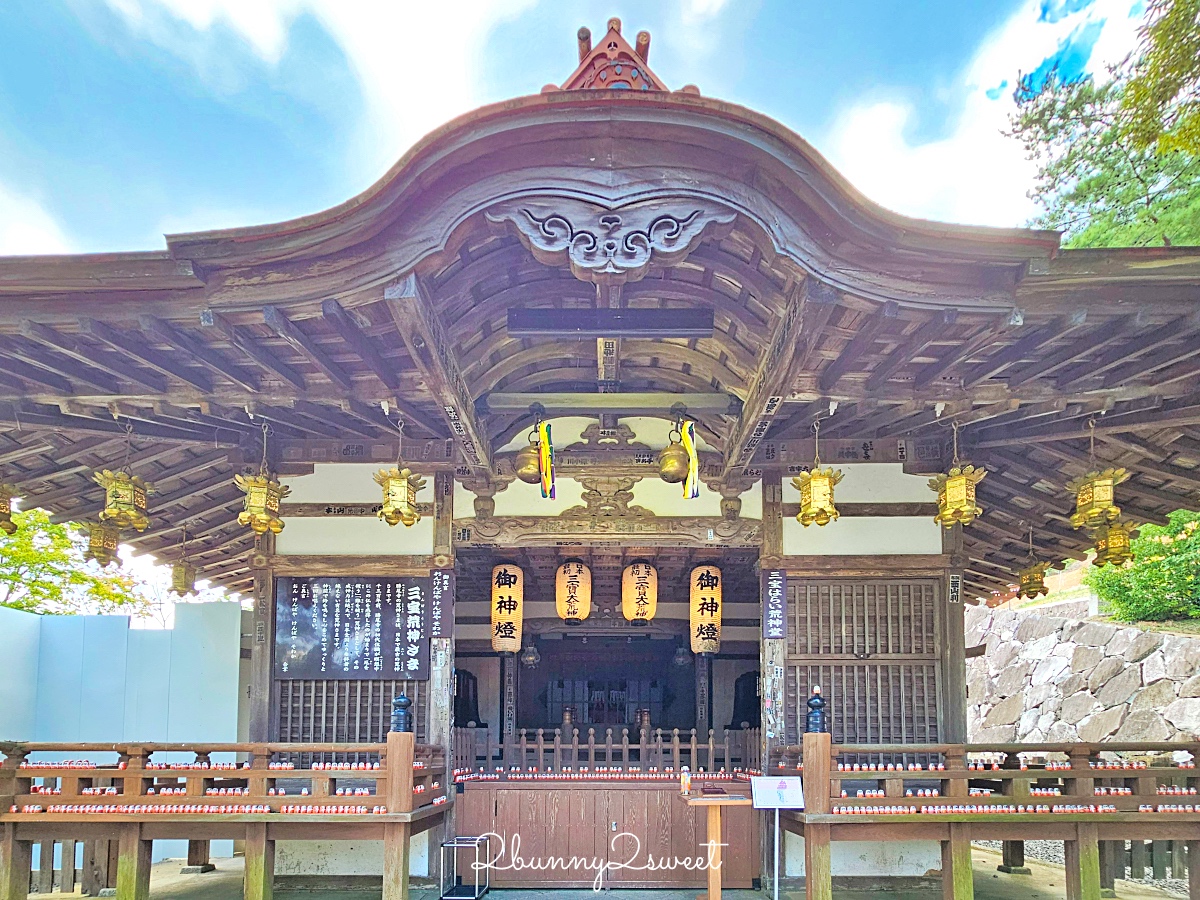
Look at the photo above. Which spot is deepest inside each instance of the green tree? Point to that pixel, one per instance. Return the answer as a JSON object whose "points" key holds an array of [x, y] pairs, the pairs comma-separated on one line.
{"points": [[1162, 100], [1114, 169], [1163, 581], [42, 570]]}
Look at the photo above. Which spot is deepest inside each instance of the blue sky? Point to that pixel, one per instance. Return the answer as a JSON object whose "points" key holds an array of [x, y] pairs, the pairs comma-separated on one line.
{"points": [[121, 120]]}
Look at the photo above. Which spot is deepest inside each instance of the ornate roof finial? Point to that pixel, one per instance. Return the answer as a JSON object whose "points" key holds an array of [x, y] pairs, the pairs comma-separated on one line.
{"points": [[612, 64]]}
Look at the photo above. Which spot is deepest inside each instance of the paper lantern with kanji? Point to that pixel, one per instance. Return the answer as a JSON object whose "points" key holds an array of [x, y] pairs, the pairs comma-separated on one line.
{"points": [[508, 601], [639, 593], [573, 592], [706, 593]]}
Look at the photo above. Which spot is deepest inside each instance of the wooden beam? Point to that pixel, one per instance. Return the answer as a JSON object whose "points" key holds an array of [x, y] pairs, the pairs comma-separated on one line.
{"points": [[38, 355], [28, 372], [624, 403], [792, 344], [1146, 366], [1071, 352], [211, 359], [1019, 350], [1154, 338], [863, 340], [911, 346], [429, 348], [1182, 411], [115, 365], [40, 419], [278, 322], [253, 348], [137, 349]]}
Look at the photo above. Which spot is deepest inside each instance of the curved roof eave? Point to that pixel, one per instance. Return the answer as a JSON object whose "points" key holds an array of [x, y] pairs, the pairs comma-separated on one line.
{"points": [[362, 216]]}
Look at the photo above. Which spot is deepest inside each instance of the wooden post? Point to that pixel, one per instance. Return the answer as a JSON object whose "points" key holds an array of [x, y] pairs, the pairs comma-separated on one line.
{"points": [[45, 867], [818, 871], [714, 852], [954, 644], [395, 860], [262, 646], [260, 863], [1108, 851], [1082, 859], [958, 879], [1158, 859], [1012, 853], [66, 881], [1137, 859], [198, 861], [16, 861], [401, 749], [703, 694], [133, 864], [1193, 867]]}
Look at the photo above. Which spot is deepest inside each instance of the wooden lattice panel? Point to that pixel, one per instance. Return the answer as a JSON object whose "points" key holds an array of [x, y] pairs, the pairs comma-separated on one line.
{"points": [[328, 711]]}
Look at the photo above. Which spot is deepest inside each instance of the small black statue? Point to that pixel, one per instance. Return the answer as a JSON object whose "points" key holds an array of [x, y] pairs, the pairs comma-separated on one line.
{"points": [[401, 714], [816, 720]]}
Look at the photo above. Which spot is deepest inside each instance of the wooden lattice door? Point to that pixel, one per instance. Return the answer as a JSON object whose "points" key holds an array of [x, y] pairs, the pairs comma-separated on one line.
{"points": [[874, 648]]}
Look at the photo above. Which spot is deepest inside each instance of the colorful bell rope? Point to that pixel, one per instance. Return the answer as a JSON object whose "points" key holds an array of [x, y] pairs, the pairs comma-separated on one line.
{"points": [[691, 484], [546, 460]]}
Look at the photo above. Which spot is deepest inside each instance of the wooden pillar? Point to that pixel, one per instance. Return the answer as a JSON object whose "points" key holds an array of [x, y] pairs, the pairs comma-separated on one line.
{"points": [[818, 868], [1109, 851], [262, 646], [440, 715], [1137, 859], [45, 867], [260, 862], [66, 879], [954, 643], [1082, 859], [198, 860], [508, 703], [395, 860], [958, 878], [1158, 859], [16, 861], [133, 864], [1193, 867], [703, 695]]}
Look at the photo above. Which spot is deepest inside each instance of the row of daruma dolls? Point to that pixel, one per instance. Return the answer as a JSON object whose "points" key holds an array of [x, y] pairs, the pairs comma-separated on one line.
{"points": [[639, 601]]}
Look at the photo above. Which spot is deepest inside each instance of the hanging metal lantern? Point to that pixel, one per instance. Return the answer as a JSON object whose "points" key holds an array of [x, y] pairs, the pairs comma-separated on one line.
{"points": [[956, 491], [400, 488], [1113, 544], [639, 593], [124, 499], [530, 657], [1032, 580], [681, 658], [103, 539], [183, 577], [527, 465], [705, 607], [573, 592], [7, 493], [816, 488], [1094, 495], [508, 601], [263, 496]]}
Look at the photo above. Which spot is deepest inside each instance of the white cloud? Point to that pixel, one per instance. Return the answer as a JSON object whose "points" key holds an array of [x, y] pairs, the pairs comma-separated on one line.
{"points": [[975, 174], [27, 228], [418, 62]]}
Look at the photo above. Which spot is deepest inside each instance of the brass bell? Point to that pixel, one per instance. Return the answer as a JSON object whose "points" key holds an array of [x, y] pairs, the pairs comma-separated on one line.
{"points": [[527, 465], [673, 463]]}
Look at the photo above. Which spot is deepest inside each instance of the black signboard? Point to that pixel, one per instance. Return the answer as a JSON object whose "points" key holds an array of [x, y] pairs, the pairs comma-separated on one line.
{"points": [[774, 604], [352, 628], [441, 603]]}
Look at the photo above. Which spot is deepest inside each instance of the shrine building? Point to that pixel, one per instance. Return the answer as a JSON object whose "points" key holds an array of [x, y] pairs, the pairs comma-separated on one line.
{"points": [[603, 428]]}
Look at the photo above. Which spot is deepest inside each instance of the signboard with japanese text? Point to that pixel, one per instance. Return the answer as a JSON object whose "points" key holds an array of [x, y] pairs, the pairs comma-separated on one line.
{"points": [[352, 628], [441, 603], [774, 604]]}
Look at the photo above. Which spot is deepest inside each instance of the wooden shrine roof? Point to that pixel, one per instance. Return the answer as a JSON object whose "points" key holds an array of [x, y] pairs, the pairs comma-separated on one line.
{"points": [[402, 294]]}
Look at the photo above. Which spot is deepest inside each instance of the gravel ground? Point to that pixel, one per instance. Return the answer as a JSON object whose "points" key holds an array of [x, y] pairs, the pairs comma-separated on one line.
{"points": [[1052, 852]]}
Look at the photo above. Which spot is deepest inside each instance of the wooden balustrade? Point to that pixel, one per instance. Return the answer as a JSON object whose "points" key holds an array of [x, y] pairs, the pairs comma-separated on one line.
{"points": [[1085, 795], [389, 791], [549, 750]]}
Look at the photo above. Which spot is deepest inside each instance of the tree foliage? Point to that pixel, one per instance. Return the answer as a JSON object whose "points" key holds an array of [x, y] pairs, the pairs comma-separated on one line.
{"points": [[1163, 581], [42, 569], [1115, 164]]}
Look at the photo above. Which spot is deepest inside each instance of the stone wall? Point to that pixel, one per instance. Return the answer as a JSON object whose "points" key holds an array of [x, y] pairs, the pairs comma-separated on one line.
{"points": [[1046, 678]]}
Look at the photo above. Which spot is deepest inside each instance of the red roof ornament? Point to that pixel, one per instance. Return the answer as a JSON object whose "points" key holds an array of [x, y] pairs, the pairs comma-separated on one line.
{"points": [[612, 64]]}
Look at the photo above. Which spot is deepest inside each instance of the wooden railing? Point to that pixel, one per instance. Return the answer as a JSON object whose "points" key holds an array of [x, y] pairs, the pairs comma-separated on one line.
{"points": [[1085, 795], [135, 793], [550, 750]]}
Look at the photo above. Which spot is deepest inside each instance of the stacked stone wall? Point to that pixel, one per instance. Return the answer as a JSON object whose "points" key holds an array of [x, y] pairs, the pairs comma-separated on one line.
{"points": [[1046, 678]]}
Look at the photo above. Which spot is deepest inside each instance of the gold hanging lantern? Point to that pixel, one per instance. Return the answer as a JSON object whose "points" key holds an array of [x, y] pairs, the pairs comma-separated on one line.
{"points": [[400, 486], [103, 539], [573, 592], [263, 496], [1113, 544], [956, 491], [639, 593], [183, 577], [1096, 491], [7, 493], [705, 607], [527, 464], [674, 460], [508, 600], [124, 499], [816, 488], [1032, 579]]}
